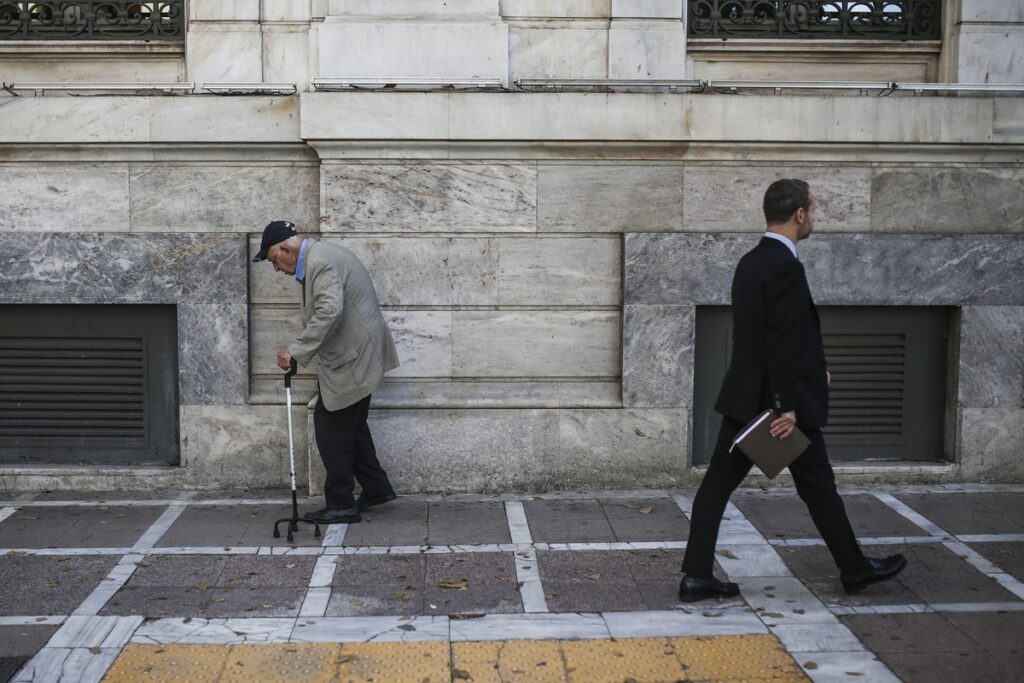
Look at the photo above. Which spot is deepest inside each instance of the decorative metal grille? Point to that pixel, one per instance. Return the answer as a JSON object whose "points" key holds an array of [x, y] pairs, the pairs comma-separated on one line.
{"points": [[163, 21], [874, 20]]}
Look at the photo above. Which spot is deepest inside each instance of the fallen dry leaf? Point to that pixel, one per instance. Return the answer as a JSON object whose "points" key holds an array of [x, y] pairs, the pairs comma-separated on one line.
{"points": [[810, 665], [594, 577], [453, 584], [725, 552], [461, 674]]}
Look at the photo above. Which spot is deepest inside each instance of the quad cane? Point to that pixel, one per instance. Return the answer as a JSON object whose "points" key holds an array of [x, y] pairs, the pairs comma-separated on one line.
{"points": [[293, 521]]}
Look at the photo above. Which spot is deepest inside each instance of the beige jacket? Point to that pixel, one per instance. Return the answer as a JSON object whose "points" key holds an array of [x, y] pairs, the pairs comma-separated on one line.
{"points": [[344, 327]]}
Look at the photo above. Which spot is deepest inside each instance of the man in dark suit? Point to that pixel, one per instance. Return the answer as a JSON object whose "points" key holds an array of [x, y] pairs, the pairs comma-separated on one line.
{"points": [[778, 362]]}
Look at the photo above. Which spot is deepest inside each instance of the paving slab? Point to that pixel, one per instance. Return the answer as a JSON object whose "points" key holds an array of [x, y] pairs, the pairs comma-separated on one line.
{"points": [[934, 574], [43, 585], [971, 513], [646, 519], [568, 521], [251, 571], [786, 516], [471, 583], [177, 570], [954, 666], [160, 601], [263, 601], [460, 523], [24, 641], [77, 526], [400, 522], [995, 632], [1008, 557], [600, 581], [378, 585], [911, 633], [234, 525]]}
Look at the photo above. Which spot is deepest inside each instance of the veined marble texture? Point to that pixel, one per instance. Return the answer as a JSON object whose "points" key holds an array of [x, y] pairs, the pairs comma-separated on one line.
{"points": [[925, 270], [429, 197], [122, 268], [213, 198], [610, 197], [729, 198], [424, 341], [948, 200], [558, 52], [535, 344], [991, 356], [213, 358], [216, 55], [647, 48], [63, 197], [657, 355]]}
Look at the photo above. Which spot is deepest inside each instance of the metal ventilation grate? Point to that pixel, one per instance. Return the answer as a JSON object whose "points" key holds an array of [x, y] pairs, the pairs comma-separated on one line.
{"points": [[867, 392], [81, 391]]}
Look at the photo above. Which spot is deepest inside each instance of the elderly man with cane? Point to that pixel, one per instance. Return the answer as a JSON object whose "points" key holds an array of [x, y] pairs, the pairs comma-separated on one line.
{"points": [[345, 330]]}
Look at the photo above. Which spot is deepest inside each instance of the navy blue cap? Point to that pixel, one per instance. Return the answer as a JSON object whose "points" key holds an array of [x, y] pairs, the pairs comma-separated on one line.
{"points": [[275, 232]]}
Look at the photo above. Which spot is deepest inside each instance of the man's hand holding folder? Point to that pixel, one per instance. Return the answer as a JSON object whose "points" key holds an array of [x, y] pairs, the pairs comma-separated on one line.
{"points": [[772, 443]]}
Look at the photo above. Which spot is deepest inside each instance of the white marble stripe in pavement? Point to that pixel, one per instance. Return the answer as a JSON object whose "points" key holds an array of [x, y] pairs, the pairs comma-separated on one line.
{"points": [[685, 504], [912, 514], [921, 608], [531, 590], [567, 626], [867, 540], [112, 583], [318, 593], [518, 526], [92, 631], [334, 535], [832, 667], [817, 638], [726, 621], [230, 631], [67, 665], [991, 538], [370, 629], [159, 527], [7, 512]]}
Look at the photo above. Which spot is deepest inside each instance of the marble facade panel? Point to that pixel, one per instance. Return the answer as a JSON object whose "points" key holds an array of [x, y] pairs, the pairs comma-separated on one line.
{"points": [[411, 8], [923, 270], [374, 116], [647, 48], [657, 355], [535, 344], [554, 271], [429, 271], [991, 443], [224, 10], [241, 446], [57, 68], [424, 48], [222, 198], [729, 198], [991, 10], [91, 120], [213, 353], [64, 197], [224, 53], [286, 10], [948, 200], [286, 54], [610, 198], [424, 341], [990, 53], [123, 268], [536, 52], [428, 197], [991, 356], [558, 9], [248, 120], [620, 448], [648, 9]]}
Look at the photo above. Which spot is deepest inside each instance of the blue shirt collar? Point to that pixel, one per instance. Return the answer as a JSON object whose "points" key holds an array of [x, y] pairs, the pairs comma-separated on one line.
{"points": [[784, 240], [300, 266]]}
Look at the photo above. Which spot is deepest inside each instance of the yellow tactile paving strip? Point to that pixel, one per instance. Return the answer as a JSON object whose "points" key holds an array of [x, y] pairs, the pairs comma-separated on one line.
{"points": [[626, 660]]}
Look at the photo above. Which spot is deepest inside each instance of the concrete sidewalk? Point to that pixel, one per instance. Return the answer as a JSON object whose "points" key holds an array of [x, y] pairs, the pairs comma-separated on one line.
{"points": [[562, 587]]}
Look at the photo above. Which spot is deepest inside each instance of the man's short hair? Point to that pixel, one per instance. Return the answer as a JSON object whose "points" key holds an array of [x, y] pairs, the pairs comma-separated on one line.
{"points": [[783, 198]]}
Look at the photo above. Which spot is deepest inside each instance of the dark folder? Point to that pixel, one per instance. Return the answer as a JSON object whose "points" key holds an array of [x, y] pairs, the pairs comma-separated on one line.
{"points": [[771, 455]]}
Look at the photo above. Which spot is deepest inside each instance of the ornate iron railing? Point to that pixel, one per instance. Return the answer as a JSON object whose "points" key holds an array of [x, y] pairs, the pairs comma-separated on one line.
{"points": [[110, 20], [875, 20]]}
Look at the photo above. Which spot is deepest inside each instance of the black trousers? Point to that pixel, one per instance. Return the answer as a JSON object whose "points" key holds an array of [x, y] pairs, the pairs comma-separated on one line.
{"points": [[346, 447], [815, 484]]}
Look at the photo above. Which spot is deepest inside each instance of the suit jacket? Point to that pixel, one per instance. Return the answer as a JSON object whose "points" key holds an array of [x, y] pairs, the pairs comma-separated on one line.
{"points": [[344, 327], [778, 360]]}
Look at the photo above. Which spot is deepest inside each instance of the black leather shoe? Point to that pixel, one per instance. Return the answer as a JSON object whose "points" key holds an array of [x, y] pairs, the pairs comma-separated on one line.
{"points": [[878, 570], [336, 516], [692, 589], [364, 501]]}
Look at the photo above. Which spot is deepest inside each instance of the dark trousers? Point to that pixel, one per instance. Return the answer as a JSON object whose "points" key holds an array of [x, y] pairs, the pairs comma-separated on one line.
{"points": [[815, 484], [346, 447]]}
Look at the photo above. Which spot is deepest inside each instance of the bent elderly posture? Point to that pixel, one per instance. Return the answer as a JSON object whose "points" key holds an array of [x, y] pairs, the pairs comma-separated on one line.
{"points": [[778, 362], [345, 331]]}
